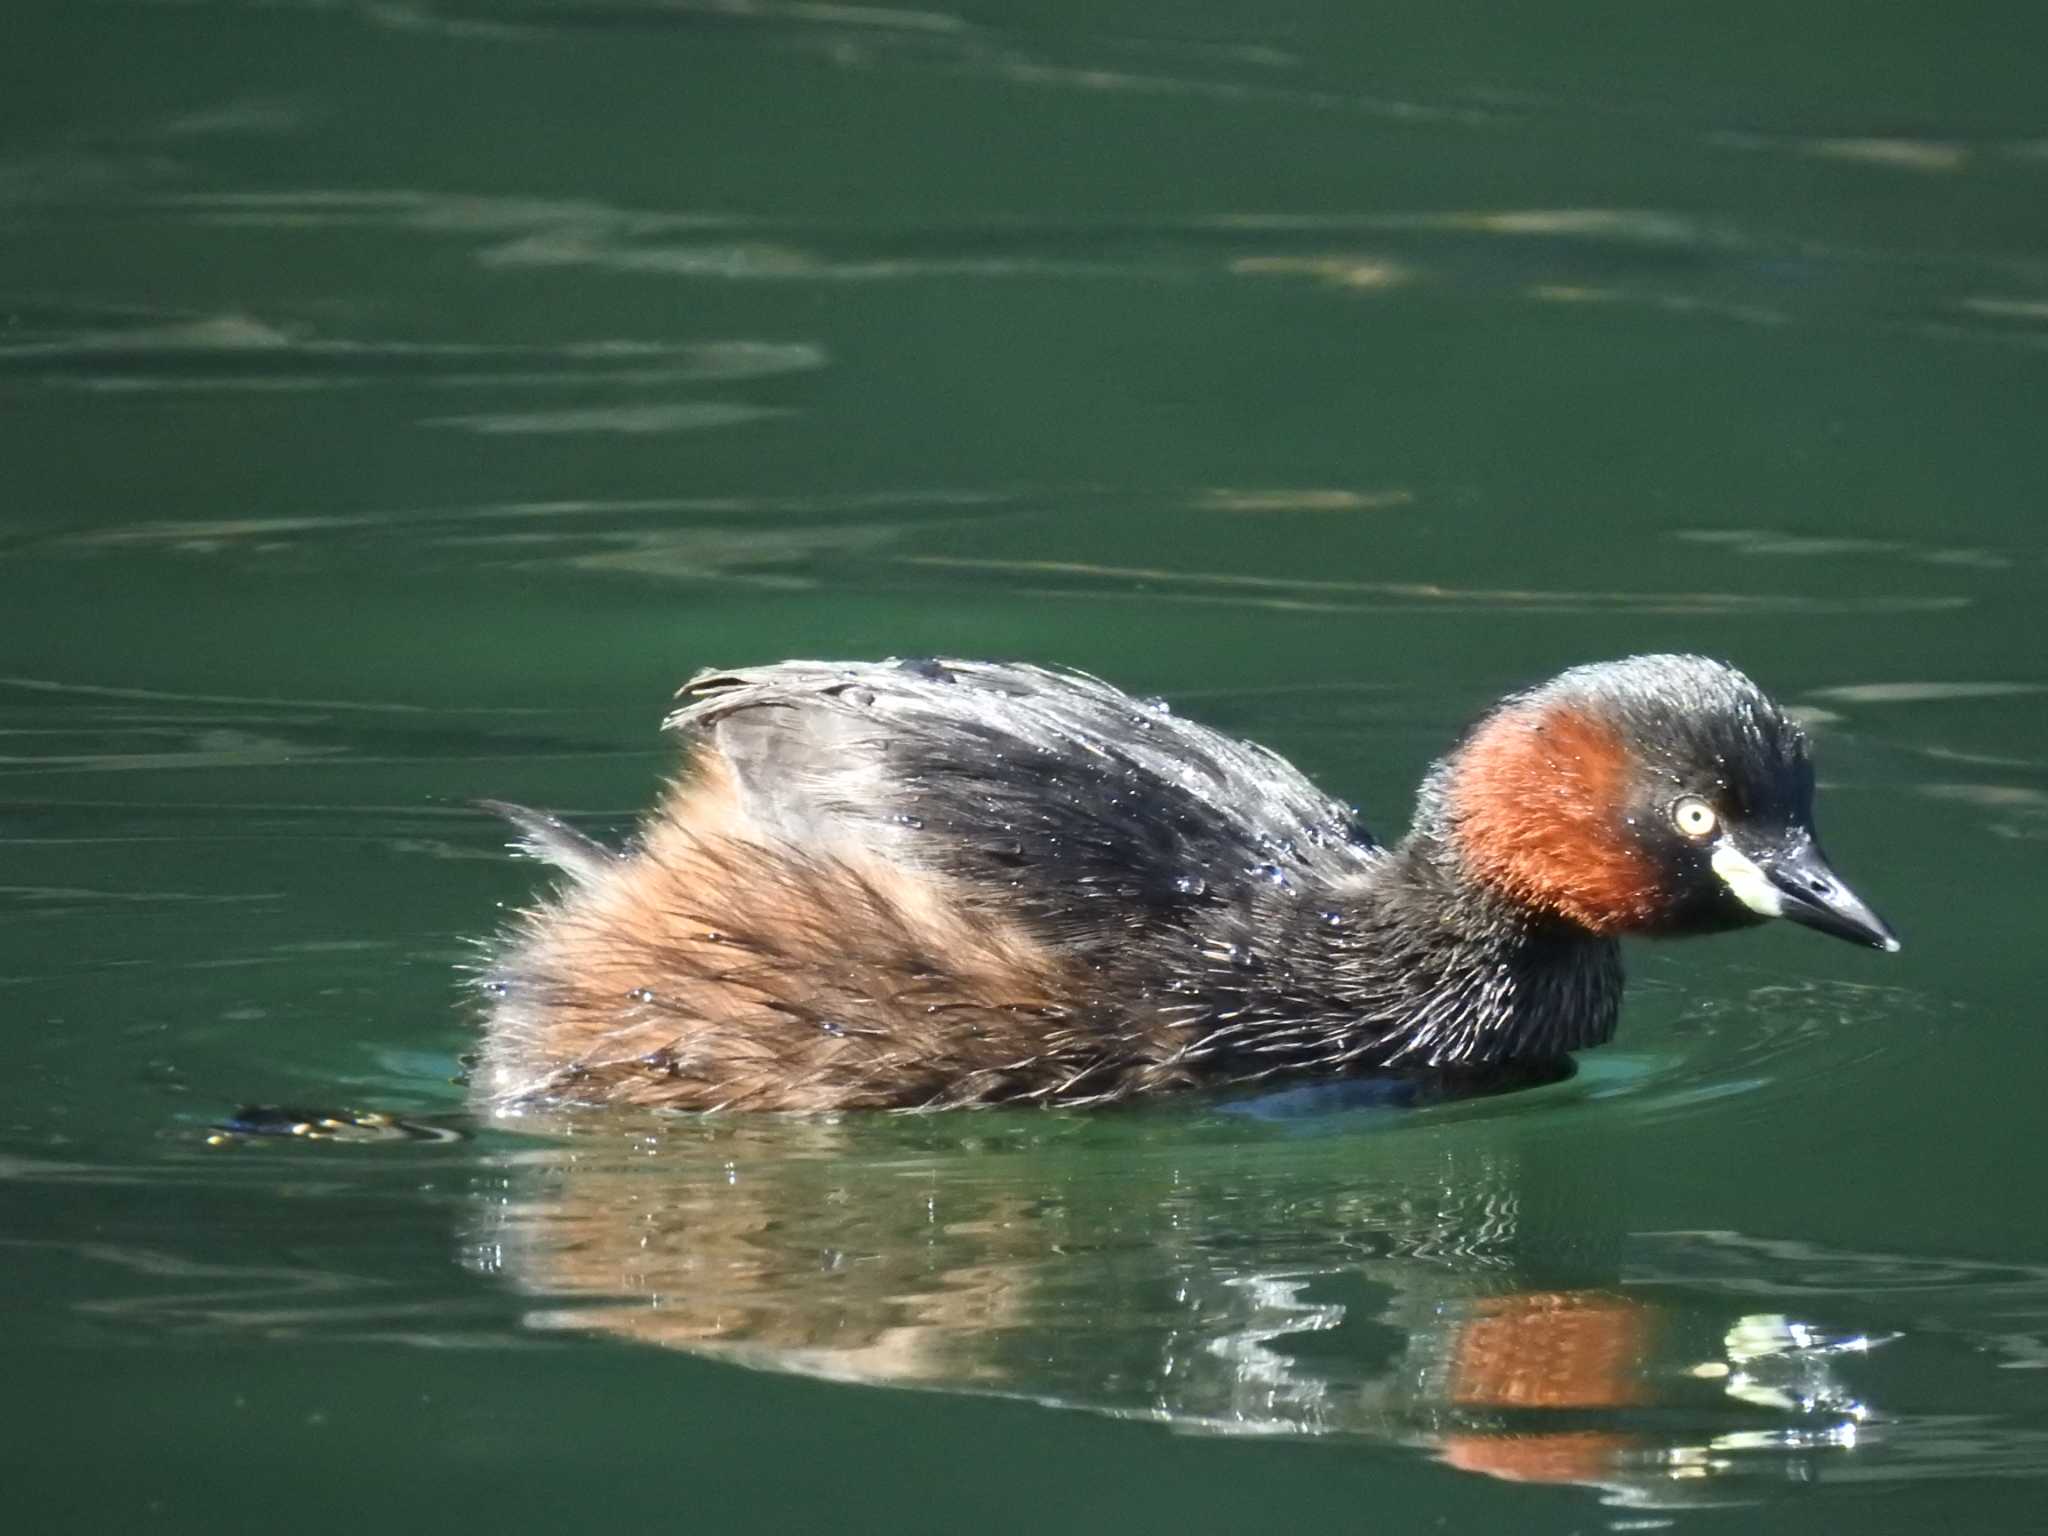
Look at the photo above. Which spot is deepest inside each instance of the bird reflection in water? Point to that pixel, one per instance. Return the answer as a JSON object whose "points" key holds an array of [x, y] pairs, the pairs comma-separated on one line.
{"points": [[1391, 1289]]}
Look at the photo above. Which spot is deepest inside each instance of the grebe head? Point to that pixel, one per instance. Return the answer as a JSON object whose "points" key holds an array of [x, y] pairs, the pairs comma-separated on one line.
{"points": [[1656, 795]]}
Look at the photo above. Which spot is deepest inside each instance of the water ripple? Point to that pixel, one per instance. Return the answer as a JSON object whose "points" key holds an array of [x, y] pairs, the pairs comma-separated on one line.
{"points": [[240, 351], [1315, 594], [632, 420]]}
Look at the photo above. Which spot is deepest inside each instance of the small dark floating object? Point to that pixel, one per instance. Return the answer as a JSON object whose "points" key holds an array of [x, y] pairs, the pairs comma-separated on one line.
{"points": [[356, 1125]]}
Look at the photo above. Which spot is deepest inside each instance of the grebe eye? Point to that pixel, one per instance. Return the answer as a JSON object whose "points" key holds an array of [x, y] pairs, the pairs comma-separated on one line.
{"points": [[1694, 817]]}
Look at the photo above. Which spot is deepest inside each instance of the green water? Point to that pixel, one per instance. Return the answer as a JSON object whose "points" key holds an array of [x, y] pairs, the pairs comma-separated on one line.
{"points": [[397, 400]]}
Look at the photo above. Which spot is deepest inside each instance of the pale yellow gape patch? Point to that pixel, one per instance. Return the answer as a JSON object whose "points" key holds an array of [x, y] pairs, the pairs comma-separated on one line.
{"points": [[1742, 875]]}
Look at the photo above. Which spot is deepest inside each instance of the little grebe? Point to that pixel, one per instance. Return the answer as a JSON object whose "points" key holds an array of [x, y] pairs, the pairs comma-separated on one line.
{"points": [[918, 884]]}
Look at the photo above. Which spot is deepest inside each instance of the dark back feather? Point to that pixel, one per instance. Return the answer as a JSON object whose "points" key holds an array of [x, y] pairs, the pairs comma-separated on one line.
{"points": [[1094, 817]]}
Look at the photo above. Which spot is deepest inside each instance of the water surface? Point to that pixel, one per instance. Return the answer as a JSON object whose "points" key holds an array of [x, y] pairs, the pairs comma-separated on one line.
{"points": [[398, 400]]}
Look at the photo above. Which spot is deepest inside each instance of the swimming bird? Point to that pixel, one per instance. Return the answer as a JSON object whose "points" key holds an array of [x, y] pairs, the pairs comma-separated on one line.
{"points": [[921, 884]]}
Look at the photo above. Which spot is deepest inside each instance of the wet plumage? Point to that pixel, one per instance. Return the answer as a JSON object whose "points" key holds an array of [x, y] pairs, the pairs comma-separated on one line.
{"points": [[922, 884]]}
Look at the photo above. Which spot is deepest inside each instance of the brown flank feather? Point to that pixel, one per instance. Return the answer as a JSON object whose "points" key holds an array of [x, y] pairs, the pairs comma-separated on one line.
{"points": [[723, 968]]}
